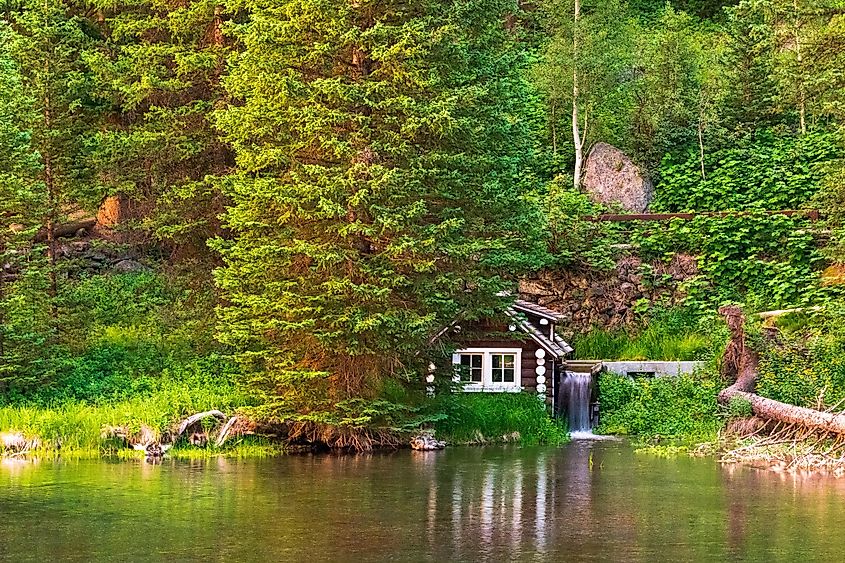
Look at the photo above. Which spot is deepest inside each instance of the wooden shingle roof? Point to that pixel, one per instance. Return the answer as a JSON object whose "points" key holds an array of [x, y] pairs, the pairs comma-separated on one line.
{"points": [[532, 308]]}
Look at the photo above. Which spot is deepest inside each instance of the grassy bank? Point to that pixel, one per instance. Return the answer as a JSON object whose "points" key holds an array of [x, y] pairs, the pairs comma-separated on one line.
{"points": [[75, 429], [482, 418], [676, 335]]}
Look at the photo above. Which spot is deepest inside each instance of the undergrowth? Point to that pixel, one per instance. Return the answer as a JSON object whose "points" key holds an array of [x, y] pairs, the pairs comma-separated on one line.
{"points": [[668, 410], [479, 418], [673, 335]]}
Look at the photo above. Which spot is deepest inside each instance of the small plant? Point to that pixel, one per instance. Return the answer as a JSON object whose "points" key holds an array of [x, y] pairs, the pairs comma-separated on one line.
{"points": [[739, 407]]}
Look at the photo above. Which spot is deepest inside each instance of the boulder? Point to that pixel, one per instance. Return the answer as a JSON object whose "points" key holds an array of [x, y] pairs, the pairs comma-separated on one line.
{"points": [[129, 267], [610, 177], [425, 441]]}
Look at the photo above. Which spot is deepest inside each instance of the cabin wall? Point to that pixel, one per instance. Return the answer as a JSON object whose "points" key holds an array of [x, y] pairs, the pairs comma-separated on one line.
{"points": [[529, 360]]}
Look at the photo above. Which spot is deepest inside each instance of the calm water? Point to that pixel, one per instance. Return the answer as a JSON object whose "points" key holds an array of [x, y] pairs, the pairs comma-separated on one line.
{"points": [[494, 504]]}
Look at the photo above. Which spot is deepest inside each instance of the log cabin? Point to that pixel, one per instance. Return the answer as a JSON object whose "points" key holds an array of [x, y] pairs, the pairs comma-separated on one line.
{"points": [[520, 351]]}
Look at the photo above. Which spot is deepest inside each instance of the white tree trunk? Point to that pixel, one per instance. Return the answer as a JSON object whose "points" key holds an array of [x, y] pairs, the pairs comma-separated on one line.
{"points": [[577, 134], [802, 105]]}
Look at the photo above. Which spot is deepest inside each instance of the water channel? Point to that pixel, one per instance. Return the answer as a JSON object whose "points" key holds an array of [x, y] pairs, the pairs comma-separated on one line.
{"points": [[587, 501]]}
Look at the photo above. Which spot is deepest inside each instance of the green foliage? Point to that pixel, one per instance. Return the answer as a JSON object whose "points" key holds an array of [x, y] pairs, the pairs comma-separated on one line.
{"points": [[573, 241], [766, 170], [158, 71], [380, 187], [767, 261], [739, 407], [806, 366], [496, 417], [680, 408], [668, 335]]}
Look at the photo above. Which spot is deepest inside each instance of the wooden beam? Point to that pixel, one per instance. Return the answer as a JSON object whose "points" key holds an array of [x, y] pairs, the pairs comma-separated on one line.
{"points": [[811, 214]]}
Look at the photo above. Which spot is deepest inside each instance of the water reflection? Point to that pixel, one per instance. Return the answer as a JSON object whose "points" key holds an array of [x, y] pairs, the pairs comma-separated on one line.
{"points": [[586, 501]]}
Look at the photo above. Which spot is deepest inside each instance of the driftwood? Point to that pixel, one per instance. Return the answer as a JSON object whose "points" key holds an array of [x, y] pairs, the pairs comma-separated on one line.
{"points": [[224, 432], [193, 419], [425, 441], [741, 363]]}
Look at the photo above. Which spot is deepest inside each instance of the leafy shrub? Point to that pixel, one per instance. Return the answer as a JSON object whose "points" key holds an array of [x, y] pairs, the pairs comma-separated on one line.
{"points": [[764, 260], [764, 170], [681, 408], [806, 365], [739, 407], [573, 241]]}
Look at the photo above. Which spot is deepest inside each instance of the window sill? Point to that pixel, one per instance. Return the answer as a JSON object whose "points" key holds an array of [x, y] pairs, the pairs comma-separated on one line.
{"points": [[492, 388]]}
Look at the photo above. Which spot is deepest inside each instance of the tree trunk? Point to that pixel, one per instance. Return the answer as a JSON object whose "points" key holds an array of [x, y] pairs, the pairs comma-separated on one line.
{"points": [[50, 226], [802, 106], [2, 299], [577, 135], [742, 361]]}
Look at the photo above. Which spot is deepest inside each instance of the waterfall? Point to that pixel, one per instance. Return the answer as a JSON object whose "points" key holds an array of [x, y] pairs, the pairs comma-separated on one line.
{"points": [[576, 391]]}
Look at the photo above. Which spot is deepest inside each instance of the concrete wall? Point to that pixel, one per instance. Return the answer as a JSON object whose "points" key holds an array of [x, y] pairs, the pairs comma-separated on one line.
{"points": [[657, 368]]}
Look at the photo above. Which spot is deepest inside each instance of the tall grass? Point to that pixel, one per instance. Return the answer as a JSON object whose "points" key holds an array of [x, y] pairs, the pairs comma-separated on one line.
{"points": [[673, 336], [75, 427], [477, 418]]}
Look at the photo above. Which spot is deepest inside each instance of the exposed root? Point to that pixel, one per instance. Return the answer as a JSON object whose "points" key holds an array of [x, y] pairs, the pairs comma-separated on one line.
{"points": [[342, 437], [784, 447]]}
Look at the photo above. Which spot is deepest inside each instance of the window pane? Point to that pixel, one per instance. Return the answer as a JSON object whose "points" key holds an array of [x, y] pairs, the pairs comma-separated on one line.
{"points": [[471, 368], [509, 375], [503, 368]]}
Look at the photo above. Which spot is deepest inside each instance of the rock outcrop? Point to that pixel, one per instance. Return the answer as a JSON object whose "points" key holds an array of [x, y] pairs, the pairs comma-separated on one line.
{"points": [[608, 299], [611, 178]]}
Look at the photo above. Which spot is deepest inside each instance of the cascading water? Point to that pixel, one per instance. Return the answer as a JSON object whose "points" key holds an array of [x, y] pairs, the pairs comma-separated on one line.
{"points": [[576, 390]]}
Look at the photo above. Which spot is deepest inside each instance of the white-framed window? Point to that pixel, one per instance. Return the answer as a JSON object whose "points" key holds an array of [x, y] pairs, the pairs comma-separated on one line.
{"points": [[489, 369]]}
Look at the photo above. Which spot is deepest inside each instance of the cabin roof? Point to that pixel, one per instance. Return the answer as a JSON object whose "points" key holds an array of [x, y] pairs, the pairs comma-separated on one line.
{"points": [[532, 308], [544, 335]]}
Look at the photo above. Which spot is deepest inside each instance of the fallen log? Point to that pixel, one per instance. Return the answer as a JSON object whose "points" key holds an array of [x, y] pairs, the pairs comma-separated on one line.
{"points": [[66, 230], [741, 362]]}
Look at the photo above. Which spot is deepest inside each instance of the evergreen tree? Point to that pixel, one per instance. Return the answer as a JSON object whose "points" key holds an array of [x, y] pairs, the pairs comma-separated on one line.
{"points": [[47, 43], [23, 303], [159, 71], [382, 155]]}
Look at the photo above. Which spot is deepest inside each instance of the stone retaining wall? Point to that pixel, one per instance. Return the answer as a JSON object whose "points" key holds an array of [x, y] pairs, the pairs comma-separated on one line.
{"points": [[609, 299]]}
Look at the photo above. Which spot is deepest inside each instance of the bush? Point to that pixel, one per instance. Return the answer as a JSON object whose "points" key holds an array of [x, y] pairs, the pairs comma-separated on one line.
{"points": [[806, 366], [682, 408], [496, 417], [765, 170]]}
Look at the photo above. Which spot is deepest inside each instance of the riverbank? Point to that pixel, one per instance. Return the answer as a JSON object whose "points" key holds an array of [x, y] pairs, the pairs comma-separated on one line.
{"points": [[79, 429]]}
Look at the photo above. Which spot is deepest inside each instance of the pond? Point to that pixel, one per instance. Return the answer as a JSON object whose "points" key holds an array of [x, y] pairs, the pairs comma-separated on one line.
{"points": [[586, 501]]}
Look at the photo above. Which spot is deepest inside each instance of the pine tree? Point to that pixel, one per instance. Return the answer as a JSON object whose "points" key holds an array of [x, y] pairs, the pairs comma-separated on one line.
{"points": [[381, 156], [23, 305], [158, 72], [47, 42]]}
